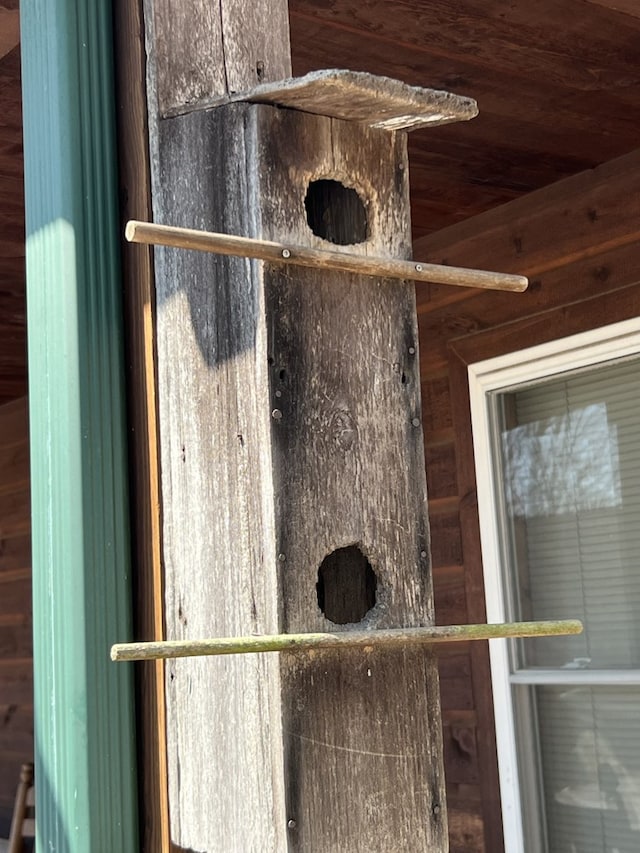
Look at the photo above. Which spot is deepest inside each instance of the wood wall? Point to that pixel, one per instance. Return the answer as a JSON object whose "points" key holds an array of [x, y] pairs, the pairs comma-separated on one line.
{"points": [[578, 242], [16, 680]]}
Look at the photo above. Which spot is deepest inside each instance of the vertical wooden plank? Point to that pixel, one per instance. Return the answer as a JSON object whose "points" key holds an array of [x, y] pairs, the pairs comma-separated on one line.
{"points": [[139, 305], [474, 586], [289, 417], [362, 733], [223, 716], [16, 646], [289, 422], [186, 36], [205, 51], [218, 520], [256, 43]]}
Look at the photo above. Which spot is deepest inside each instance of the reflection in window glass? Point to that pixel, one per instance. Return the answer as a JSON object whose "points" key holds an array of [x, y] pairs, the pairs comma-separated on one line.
{"points": [[570, 460]]}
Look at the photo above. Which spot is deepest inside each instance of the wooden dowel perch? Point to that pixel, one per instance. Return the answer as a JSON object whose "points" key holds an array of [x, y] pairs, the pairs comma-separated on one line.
{"points": [[265, 250], [397, 637]]}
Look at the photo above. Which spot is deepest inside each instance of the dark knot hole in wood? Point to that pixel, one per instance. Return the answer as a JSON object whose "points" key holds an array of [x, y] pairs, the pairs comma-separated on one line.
{"points": [[346, 585], [336, 213]]}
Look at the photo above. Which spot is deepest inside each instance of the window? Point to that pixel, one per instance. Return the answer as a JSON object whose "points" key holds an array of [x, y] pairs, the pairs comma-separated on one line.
{"points": [[557, 444]]}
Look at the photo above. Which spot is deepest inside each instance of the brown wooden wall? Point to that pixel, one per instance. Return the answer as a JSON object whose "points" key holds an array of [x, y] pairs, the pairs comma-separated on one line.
{"points": [[578, 242], [16, 680]]}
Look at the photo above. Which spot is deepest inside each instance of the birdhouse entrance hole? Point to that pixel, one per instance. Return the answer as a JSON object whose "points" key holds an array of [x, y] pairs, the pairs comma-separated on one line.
{"points": [[346, 586], [336, 213]]}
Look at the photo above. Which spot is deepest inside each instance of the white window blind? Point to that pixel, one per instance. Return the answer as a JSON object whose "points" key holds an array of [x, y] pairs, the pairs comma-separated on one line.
{"points": [[570, 453]]}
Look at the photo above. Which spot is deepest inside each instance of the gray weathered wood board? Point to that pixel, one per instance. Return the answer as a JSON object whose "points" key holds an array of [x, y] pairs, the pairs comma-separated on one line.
{"points": [[326, 752], [205, 51], [224, 748], [362, 736], [374, 100]]}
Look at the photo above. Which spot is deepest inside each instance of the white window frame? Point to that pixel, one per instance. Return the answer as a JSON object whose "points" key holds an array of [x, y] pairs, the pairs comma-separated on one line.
{"points": [[488, 378]]}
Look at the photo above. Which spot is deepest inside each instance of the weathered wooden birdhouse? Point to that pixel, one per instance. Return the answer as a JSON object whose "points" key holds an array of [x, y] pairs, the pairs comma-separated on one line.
{"points": [[293, 482]]}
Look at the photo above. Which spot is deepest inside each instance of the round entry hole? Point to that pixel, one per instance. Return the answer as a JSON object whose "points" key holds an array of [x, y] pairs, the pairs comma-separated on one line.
{"points": [[346, 586], [335, 212]]}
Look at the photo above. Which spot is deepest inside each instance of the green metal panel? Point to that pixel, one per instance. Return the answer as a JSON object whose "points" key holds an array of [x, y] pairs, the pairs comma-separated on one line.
{"points": [[85, 751]]}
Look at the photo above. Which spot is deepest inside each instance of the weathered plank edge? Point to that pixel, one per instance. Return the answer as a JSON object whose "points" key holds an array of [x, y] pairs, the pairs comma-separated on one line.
{"points": [[398, 637], [406, 107]]}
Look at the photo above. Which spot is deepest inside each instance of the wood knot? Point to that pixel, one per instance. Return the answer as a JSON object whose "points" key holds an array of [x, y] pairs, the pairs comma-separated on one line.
{"points": [[601, 273], [343, 429]]}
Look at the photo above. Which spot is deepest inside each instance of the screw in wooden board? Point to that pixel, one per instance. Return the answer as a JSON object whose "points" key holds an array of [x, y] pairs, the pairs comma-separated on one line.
{"points": [[412, 350], [282, 558], [286, 253], [276, 414], [436, 810], [423, 554], [418, 267], [291, 824], [416, 422]]}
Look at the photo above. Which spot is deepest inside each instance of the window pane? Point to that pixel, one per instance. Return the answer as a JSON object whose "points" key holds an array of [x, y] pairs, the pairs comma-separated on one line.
{"points": [[571, 460], [590, 761]]}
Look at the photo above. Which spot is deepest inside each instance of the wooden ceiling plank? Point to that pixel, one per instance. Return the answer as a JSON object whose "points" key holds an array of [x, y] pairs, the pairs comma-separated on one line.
{"points": [[9, 30], [625, 7], [571, 220], [533, 99], [574, 49]]}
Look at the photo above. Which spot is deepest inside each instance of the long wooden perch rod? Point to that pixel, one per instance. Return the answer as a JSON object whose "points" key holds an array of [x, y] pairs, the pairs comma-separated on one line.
{"points": [[247, 247], [396, 637]]}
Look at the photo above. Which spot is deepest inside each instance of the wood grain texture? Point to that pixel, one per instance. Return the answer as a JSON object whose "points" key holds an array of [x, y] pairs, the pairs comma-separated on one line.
{"points": [[581, 234], [256, 42], [13, 350], [289, 254], [187, 42], [372, 99], [9, 30], [387, 639], [349, 470], [278, 408], [545, 99], [226, 791], [572, 220], [139, 301], [627, 7], [16, 646], [205, 52]]}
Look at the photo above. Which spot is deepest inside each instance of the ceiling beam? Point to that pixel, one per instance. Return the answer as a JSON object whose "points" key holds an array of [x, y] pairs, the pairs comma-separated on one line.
{"points": [[627, 7]]}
